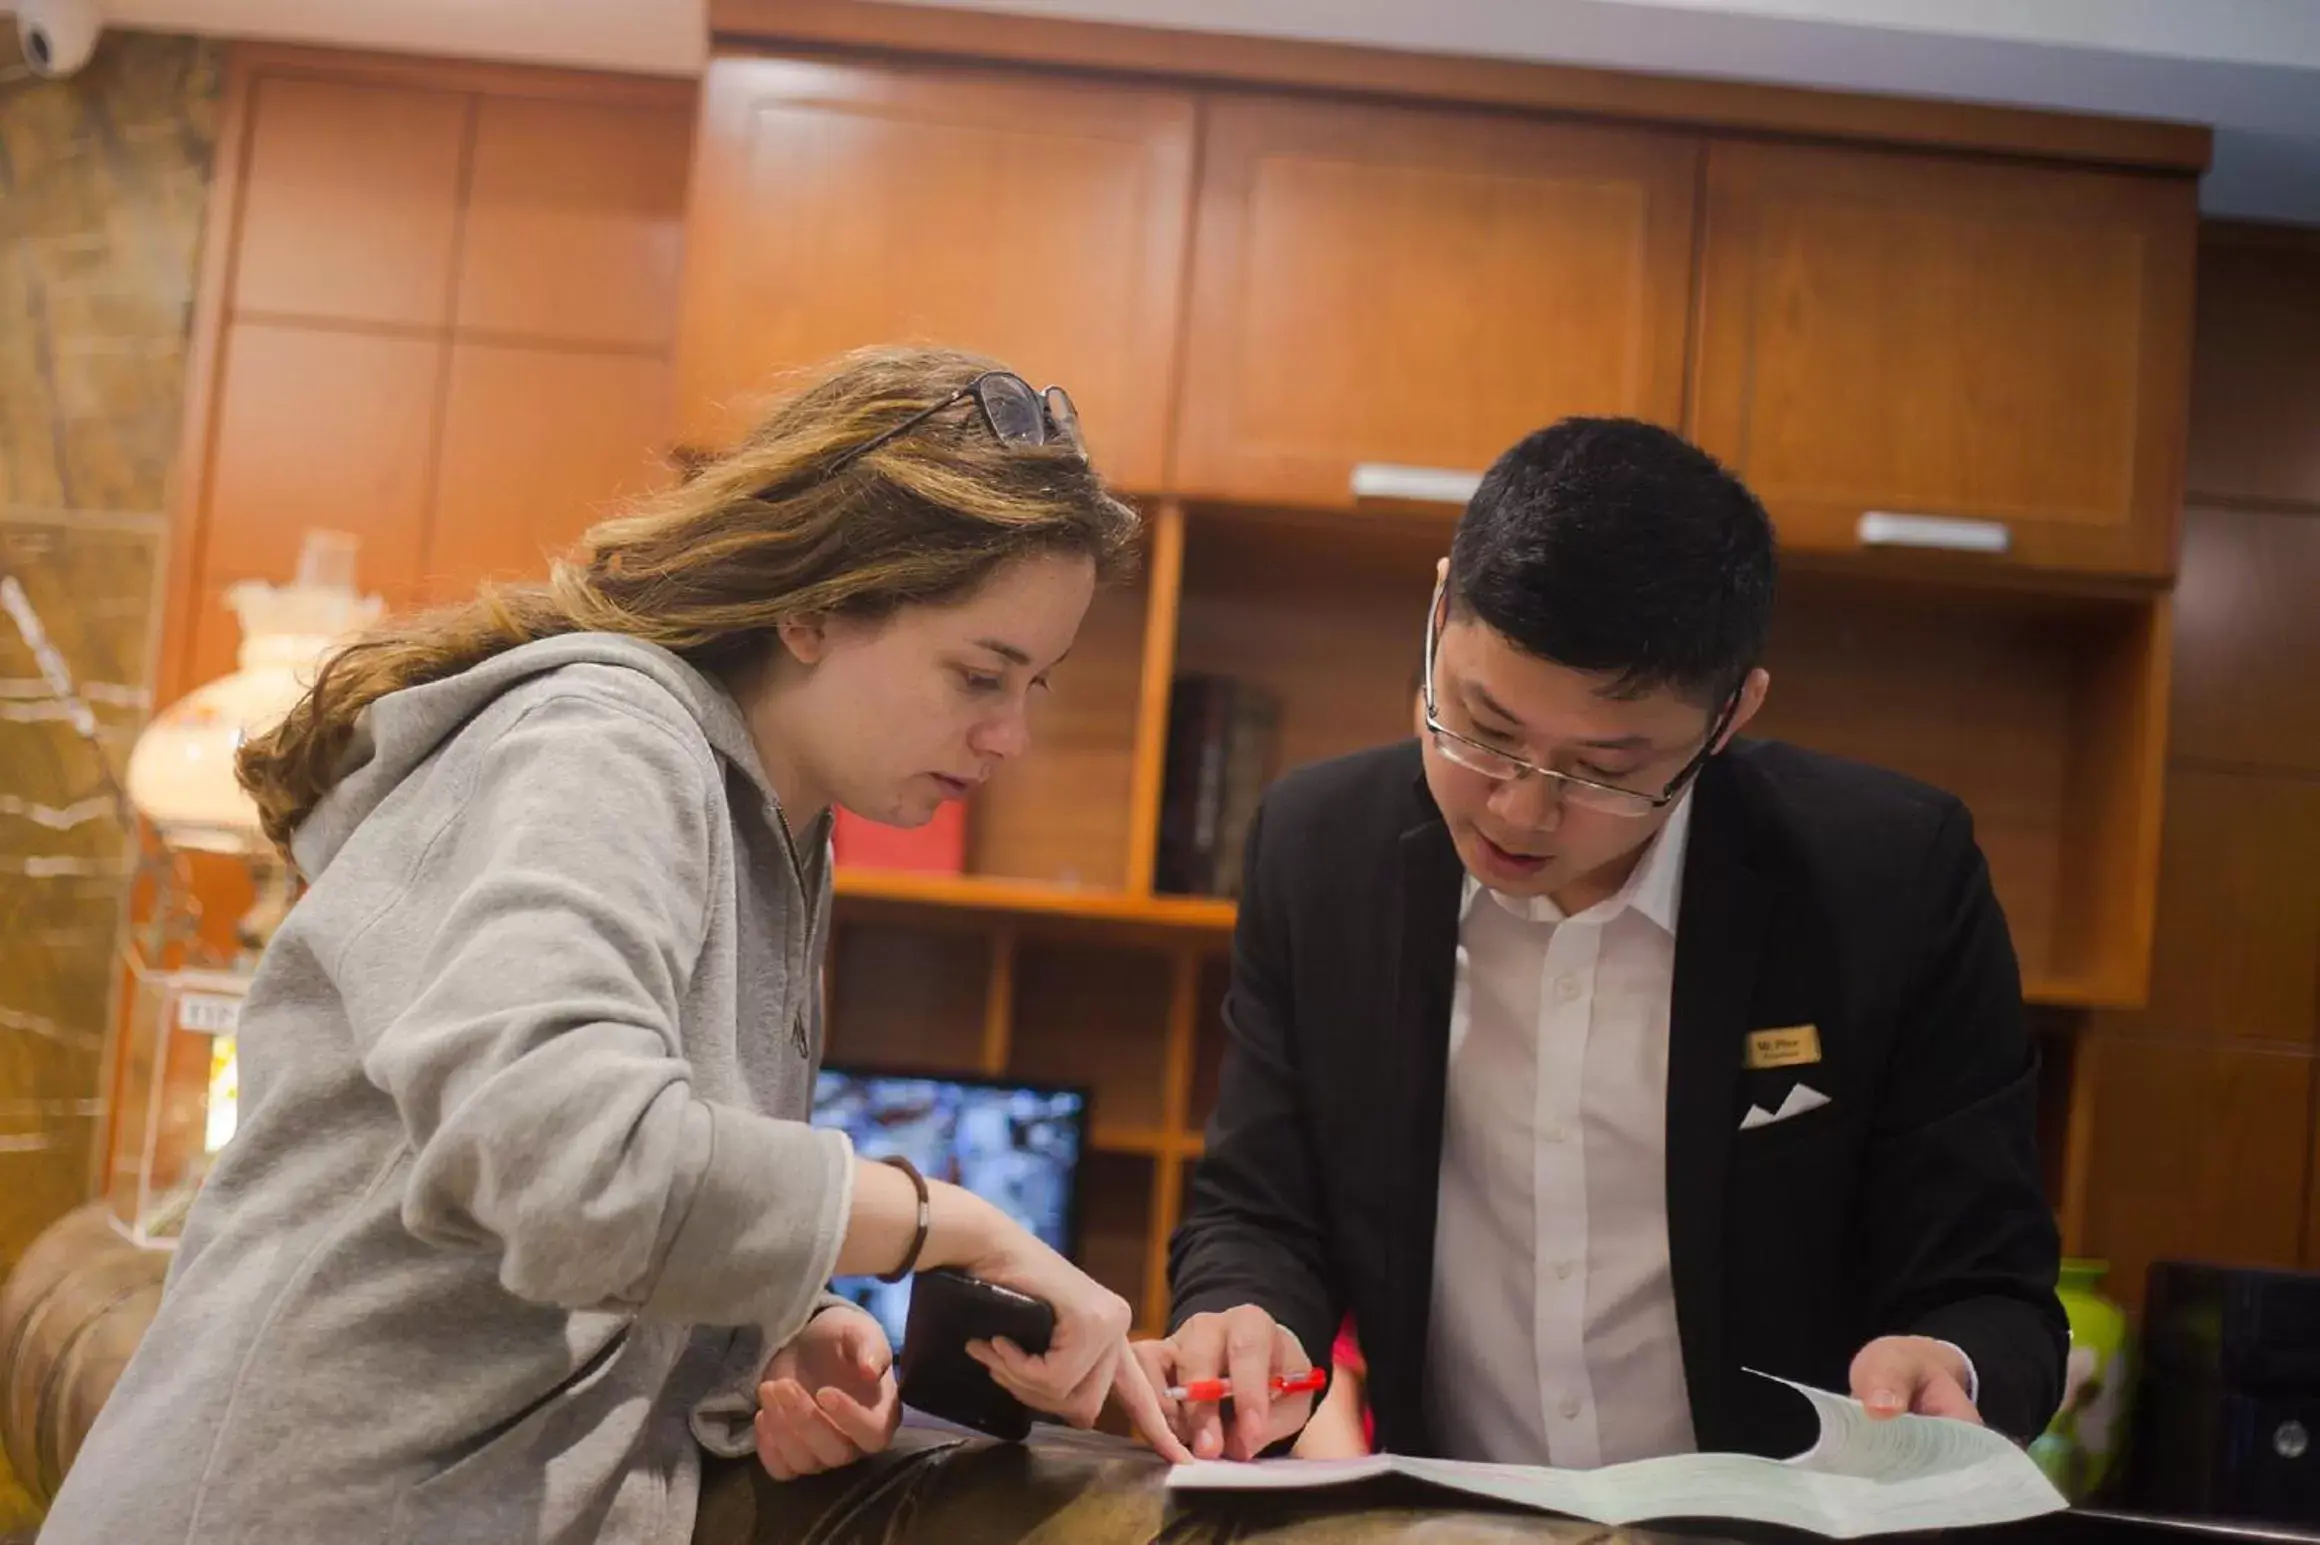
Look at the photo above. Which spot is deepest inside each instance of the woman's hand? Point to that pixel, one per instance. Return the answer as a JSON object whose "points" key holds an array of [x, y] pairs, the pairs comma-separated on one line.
{"points": [[1087, 1359], [828, 1398]]}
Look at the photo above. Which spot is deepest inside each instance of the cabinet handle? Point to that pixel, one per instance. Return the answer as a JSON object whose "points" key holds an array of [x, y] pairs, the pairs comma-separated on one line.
{"points": [[1881, 528], [1424, 485]]}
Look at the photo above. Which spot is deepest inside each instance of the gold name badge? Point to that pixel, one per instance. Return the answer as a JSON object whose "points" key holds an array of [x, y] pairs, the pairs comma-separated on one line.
{"points": [[1791, 1047]]}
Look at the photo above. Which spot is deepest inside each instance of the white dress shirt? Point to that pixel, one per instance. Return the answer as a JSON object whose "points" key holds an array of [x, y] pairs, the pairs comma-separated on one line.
{"points": [[1553, 1333]]}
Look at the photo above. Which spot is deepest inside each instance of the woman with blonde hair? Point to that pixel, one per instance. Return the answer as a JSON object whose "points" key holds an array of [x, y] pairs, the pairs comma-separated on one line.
{"points": [[522, 1197]]}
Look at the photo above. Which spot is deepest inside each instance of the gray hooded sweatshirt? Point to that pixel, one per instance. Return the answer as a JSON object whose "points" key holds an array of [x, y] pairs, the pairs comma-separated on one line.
{"points": [[522, 1193]]}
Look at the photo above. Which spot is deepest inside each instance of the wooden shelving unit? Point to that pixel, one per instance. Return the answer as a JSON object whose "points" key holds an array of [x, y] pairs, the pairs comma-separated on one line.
{"points": [[1257, 291], [1005, 976], [2030, 703], [1256, 271]]}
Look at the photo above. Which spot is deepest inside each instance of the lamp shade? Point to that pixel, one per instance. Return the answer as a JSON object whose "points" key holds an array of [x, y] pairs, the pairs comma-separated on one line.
{"points": [[181, 773]]}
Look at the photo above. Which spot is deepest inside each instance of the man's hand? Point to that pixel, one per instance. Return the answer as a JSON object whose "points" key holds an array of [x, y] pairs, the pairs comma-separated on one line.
{"points": [[1246, 1346], [1894, 1374], [828, 1398]]}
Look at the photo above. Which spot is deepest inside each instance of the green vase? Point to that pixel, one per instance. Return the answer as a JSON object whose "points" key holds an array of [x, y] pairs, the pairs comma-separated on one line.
{"points": [[2079, 1447]]}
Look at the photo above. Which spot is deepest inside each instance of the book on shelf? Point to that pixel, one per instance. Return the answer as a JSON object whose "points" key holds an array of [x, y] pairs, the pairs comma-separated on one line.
{"points": [[1222, 739], [938, 847]]}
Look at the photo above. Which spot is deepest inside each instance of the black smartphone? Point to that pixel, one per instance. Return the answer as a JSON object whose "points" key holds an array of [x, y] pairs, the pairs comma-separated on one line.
{"points": [[948, 1309]]}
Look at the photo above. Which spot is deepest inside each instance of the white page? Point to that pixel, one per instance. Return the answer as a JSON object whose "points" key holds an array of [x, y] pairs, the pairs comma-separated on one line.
{"points": [[1861, 1477]]}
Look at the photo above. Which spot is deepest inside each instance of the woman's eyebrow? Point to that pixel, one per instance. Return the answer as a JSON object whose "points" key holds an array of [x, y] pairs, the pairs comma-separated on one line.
{"points": [[1013, 655], [1004, 650]]}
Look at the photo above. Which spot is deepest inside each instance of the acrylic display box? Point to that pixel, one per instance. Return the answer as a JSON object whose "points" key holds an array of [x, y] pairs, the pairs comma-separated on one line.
{"points": [[175, 1094]]}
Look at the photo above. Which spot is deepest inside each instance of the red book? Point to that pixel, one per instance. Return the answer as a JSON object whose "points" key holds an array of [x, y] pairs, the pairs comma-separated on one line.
{"points": [[938, 847]]}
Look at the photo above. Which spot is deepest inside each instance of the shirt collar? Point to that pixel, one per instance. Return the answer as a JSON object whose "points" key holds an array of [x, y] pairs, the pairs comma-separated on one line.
{"points": [[1654, 887]]}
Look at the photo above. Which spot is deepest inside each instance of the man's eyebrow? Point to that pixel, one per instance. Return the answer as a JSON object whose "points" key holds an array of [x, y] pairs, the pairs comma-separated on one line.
{"points": [[1491, 705], [1497, 709]]}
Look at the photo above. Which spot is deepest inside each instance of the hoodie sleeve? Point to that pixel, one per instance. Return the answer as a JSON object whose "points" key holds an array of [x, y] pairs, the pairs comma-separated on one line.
{"points": [[517, 1000]]}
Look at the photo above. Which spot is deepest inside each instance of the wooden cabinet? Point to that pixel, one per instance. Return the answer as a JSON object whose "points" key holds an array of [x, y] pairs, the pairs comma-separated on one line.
{"points": [[1404, 288], [1037, 220], [1999, 345], [2255, 414], [1373, 288], [575, 221], [447, 330], [2195, 1116], [1330, 629], [439, 318], [451, 302], [2247, 633], [2192, 1150], [321, 427], [2237, 952], [2040, 712], [538, 444], [350, 202]]}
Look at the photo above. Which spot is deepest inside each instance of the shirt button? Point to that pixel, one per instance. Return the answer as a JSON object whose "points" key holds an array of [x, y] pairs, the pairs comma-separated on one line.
{"points": [[1571, 1408], [1563, 1270], [1567, 986], [1554, 1134]]}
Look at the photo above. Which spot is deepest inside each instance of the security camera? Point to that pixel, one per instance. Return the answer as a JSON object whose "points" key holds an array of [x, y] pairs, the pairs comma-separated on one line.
{"points": [[57, 35]]}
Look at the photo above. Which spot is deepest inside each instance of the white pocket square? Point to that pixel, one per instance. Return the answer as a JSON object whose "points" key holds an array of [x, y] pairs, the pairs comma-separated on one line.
{"points": [[1801, 1098]]}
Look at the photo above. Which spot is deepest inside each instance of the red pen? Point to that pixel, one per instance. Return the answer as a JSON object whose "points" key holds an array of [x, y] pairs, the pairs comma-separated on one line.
{"points": [[1308, 1382]]}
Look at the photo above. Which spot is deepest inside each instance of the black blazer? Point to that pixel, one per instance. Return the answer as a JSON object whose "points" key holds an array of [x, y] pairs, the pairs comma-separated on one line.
{"points": [[1816, 891]]}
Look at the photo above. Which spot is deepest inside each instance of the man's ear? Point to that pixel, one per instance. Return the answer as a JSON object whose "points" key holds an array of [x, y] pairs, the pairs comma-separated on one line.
{"points": [[806, 635], [1752, 693]]}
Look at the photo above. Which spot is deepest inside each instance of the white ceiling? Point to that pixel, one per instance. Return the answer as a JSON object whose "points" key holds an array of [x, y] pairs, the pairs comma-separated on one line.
{"points": [[657, 37], [2250, 68]]}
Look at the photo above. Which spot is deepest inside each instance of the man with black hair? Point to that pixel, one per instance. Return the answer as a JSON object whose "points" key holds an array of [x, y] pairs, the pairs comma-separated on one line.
{"points": [[1593, 1059]]}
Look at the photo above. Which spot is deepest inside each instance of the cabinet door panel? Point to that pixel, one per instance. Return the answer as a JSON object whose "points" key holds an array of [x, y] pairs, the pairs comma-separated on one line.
{"points": [[538, 445], [575, 221], [1999, 345], [2197, 1152], [321, 428], [1403, 287], [350, 208], [1035, 220]]}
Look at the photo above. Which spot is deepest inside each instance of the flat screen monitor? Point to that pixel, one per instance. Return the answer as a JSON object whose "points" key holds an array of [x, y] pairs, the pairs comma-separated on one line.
{"points": [[1016, 1144]]}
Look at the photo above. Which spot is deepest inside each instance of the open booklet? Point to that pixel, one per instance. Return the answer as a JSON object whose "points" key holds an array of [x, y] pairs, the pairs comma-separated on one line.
{"points": [[1862, 1477]]}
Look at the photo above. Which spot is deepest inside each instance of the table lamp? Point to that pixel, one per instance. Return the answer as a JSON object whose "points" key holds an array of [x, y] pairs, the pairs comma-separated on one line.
{"points": [[178, 1076]]}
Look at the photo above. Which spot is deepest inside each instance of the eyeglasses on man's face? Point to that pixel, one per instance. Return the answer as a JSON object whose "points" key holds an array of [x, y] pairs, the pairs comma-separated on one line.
{"points": [[1588, 793]]}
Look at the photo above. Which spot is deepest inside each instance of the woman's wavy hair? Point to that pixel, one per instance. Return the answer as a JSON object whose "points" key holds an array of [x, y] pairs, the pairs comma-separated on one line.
{"points": [[710, 567]]}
